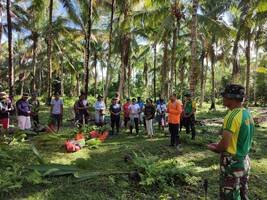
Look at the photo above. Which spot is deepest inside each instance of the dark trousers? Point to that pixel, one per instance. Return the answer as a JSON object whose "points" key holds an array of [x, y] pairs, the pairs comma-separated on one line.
{"points": [[136, 124], [35, 119], [174, 131], [189, 123], [56, 119], [126, 120], [115, 121], [82, 117]]}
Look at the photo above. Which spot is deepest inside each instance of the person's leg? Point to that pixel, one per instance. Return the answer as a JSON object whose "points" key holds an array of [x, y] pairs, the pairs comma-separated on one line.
{"points": [[34, 121], [5, 123], [57, 121], [186, 123], [97, 118], [178, 142], [125, 122], [131, 125], [244, 180], [192, 124], [150, 124], [144, 121], [28, 123], [136, 122], [172, 135], [112, 120], [21, 122], [229, 180], [176, 134], [147, 127], [118, 124]]}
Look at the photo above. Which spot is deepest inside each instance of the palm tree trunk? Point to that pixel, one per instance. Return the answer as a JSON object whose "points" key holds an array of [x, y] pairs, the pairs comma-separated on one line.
{"points": [[87, 46], [174, 58], [212, 54], [154, 70], [165, 68], [248, 62], [236, 67], [109, 71], [255, 78], [34, 50], [202, 76], [10, 50], [49, 49], [40, 82], [125, 52], [194, 66], [1, 26], [77, 84], [182, 74], [62, 76], [95, 66]]}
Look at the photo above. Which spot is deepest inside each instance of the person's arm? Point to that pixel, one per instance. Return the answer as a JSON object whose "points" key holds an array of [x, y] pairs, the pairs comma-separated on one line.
{"points": [[223, 144], [51, 106], [177, 110], [230, 126], [61, 108], [110, 110], [38, 106], [96, 106]]}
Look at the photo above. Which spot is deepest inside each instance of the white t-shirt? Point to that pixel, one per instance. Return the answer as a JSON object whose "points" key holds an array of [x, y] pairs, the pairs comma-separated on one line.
{"points": [[85, 102], [56, 104], [100, 105], [134, 110], [161, 108]]}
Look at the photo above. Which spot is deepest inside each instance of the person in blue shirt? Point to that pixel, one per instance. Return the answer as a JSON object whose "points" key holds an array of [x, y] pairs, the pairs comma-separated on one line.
{"points": [[141, 105], [160, 100]]}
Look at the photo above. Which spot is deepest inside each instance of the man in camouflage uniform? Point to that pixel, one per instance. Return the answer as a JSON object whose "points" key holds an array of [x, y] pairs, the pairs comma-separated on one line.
{"points": [[238, 131]]}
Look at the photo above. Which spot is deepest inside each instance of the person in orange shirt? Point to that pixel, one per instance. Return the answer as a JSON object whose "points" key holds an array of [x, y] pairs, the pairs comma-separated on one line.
{"points": [[174, 110]]}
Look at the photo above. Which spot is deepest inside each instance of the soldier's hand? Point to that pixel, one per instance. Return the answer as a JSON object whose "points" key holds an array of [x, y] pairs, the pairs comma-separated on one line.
{"points": [[212, 147]]}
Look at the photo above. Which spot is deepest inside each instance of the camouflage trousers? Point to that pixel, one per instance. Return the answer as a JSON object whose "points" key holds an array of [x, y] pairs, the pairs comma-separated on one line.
{"points": [[234, 175]]}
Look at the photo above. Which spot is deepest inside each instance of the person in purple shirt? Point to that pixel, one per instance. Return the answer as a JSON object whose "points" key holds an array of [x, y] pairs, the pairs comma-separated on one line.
{"points": [[23, 112]]}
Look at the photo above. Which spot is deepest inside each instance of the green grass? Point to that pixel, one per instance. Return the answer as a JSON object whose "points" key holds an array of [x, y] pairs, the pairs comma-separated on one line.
{"points": [[109, 157]]}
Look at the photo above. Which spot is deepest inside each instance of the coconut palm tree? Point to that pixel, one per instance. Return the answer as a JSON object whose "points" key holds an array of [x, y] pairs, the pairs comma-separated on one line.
{"points": [[108, 75], [31, 19], [81, 14], [49, 48], [194, 65], [10, 49]]}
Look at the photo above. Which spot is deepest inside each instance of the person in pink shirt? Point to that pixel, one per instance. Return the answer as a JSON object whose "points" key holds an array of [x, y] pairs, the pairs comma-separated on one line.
{"points": [[126, 112]]}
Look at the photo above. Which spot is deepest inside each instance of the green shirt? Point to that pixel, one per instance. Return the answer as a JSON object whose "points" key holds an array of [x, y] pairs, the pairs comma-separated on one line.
{"points": [[189, 107], [240, 123]]}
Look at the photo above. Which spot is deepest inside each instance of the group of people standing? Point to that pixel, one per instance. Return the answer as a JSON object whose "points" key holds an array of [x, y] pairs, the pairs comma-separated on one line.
{"points": [[135, 112], [27, 111]]}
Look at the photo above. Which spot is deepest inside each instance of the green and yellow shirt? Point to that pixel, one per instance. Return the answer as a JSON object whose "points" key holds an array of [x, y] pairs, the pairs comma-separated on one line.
{"points": [[240, 123], [189, 106]]}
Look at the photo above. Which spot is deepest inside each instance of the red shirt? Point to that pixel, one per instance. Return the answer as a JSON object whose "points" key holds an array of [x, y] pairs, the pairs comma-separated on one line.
{"points": [[126, 110]]}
